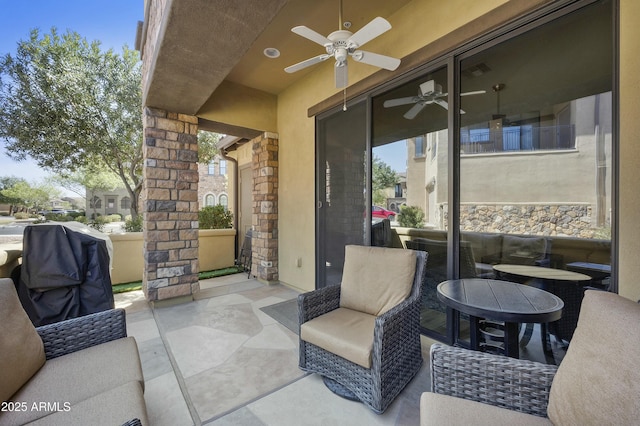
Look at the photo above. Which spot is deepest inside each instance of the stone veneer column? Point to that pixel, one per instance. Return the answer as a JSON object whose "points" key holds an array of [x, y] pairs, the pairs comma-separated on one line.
{"points": [[170, 205], [265, 208]]}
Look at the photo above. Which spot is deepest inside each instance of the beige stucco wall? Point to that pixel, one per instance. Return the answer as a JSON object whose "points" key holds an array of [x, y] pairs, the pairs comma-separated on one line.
{"points": [[216, 248], [128, 261], [215, 252], [629, 178]]}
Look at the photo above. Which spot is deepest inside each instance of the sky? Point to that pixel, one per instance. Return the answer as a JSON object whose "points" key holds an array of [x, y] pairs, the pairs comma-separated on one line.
{"points": [[112, 22]]}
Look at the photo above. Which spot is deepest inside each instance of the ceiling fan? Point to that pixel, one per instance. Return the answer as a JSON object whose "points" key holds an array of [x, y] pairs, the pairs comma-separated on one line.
{"points": [[429, 93], [342, 43]]}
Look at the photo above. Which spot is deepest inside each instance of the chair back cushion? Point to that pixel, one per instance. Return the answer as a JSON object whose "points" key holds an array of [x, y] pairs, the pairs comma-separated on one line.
{"points": [[598, 381], [21, 348], [523, 250], [375, 279]]}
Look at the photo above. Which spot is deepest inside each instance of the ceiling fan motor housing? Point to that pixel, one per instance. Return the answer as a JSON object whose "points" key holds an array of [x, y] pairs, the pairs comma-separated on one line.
{"points": [[430, 87]]}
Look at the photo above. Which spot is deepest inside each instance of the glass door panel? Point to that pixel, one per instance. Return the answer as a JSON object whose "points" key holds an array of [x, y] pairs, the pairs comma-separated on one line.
{"points": [[341, 189], [536, 152], [410, 178]]}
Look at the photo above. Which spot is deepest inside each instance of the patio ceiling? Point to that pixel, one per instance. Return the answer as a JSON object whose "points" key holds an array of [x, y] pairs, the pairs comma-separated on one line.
{"points": [[205, 43]]}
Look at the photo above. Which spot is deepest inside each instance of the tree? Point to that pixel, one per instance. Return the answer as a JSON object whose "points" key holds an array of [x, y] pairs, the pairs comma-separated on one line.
{"points": [[207, 146], [68, 105], [383, 177], [8, 182], [30, 197]]}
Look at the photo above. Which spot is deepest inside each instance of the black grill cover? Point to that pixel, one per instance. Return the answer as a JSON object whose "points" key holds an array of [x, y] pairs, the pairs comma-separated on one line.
{"points": [[65, 272]]}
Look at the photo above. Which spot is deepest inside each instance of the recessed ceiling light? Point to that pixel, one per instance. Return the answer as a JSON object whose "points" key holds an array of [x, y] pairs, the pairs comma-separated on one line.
{"points": [[271, 52]]}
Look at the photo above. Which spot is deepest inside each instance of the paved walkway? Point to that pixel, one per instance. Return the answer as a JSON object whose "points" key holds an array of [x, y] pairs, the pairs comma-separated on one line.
{"points": [[220, 360]]}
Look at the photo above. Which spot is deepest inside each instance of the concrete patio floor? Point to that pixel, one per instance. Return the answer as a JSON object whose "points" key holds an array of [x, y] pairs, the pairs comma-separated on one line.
{"points": [[220, 360]]}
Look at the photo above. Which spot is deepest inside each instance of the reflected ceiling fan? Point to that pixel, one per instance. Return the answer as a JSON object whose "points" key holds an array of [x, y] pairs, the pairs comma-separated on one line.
{"points": [[342, 43], [429, 93]]}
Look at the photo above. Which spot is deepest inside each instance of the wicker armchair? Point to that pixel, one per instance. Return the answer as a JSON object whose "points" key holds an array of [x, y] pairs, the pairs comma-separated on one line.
{"points": [[597, 382], [394, 355]]}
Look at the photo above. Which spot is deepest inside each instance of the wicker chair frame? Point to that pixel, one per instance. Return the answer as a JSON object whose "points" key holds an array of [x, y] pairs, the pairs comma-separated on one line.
{"points": [[396, 355], [517, 385], [75, 334]]}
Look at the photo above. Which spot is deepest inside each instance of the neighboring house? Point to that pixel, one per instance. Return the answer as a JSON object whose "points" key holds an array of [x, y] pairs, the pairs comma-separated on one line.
{"points": [[213, 183], [212, 190], [306, 145], [104, 203]]}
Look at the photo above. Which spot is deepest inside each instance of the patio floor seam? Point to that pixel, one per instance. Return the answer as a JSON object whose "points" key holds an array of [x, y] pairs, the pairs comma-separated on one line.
{"points": [[176, 372]]}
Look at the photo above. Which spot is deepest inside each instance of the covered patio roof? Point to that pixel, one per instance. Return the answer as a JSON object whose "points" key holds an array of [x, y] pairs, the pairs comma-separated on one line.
{"points": [[216, 49]]}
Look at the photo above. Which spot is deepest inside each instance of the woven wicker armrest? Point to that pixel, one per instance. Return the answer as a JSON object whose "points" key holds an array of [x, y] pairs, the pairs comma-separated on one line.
{"points": [[318, 302], [518, 385], [134, 422], [394, 329], [75, 334]]}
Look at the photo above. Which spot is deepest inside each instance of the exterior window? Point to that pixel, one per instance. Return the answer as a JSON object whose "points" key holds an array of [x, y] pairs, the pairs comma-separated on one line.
{"points": [[223, 167], [125, 203], [95, 203], [211, 170], [419, 143], [224, 201], [209, 200]]}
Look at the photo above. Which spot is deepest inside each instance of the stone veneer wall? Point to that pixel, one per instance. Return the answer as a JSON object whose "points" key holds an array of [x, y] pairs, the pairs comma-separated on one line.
{"points": [[264, 241], [170, 208], [549, 220]]}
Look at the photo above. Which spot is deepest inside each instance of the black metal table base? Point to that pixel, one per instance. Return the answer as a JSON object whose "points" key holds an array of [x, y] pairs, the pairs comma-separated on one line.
{"points": [[339, 389]]}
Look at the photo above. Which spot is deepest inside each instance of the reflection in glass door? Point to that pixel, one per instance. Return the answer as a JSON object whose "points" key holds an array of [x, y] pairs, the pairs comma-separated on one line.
{"points": [[536, 154], [410, 177]]}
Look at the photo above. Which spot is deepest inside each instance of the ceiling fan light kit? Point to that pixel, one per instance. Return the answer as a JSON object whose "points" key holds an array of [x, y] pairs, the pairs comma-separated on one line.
{"points": [[341, 44]]}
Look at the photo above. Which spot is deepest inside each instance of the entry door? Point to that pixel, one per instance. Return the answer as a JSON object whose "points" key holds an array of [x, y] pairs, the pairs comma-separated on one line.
{"points": [[341, 177]]}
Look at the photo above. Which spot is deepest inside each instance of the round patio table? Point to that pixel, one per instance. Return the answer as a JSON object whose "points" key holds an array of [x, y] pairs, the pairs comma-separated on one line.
{"points": [[499, 300]]}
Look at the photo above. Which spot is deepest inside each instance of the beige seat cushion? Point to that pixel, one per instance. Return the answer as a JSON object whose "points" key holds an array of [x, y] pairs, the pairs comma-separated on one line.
{"points": [[344, 332], [443, 410], [110, 408], [598, 381], [375, 279], [78, 376], [21, 348]]}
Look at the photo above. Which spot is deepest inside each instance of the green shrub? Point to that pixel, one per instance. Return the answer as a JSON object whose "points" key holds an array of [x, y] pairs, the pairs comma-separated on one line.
{"points": [[411, 217], [114, 217], [215, 217], [81, 219], [57, 217], [98, 223], [21, 215], [133, 225]]}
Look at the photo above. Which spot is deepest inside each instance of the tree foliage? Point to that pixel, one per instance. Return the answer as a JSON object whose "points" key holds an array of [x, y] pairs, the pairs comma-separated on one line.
{"points": [[69, 105], [207, 146], [383, 175], [30, 197]]}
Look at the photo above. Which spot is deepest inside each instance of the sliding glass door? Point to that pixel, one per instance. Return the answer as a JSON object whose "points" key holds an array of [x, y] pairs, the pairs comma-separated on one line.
{"points": [[341, 189]]}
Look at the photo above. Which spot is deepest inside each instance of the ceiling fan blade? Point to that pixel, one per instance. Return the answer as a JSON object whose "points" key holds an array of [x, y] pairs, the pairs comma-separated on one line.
{"points": [[342, 75], [411, 114], [382, 61], [309, 34], [400, 101], [442, 103], [477, 92], [370, 31], [307, 63]]}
